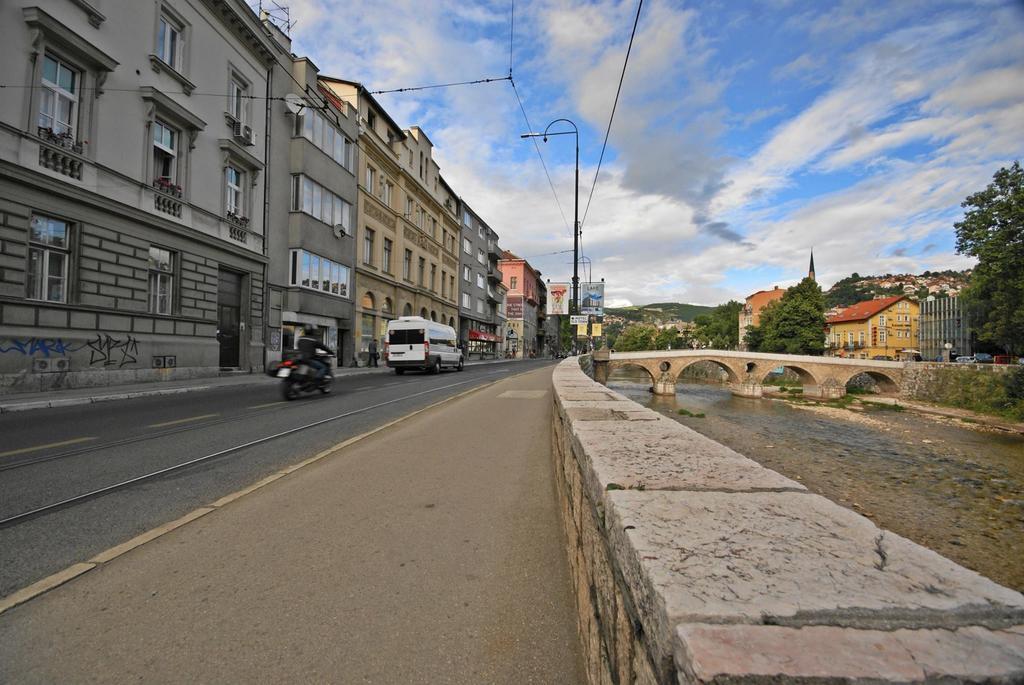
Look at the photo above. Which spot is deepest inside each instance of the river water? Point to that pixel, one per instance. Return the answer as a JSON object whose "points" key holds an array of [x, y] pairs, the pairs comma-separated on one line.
{"points": [[954, 489]]}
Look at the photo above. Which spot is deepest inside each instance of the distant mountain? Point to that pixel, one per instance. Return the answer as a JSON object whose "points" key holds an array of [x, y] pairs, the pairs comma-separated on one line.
{"points": [[659, 312], [856, 288]]}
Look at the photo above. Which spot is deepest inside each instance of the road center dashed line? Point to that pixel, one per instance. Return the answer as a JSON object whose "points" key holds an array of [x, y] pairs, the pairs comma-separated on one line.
{"points": [[24, 450], [177, 421]]}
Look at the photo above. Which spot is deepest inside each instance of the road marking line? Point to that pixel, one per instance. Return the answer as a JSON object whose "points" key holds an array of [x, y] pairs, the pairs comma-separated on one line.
{"points": [[23, 450], [174, 423], [268, 404]]}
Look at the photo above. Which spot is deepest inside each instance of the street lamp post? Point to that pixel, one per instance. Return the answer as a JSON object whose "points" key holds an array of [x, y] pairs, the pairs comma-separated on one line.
{"points": [[576, 213]]}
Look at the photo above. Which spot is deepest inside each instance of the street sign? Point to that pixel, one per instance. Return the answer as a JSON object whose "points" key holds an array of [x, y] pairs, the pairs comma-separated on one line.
{"points": [[512, 335], [576, 319]]}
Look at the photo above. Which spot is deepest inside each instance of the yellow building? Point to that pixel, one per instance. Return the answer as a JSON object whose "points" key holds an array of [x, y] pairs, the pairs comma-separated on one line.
{"points": [[886, 327], [407, 229]]}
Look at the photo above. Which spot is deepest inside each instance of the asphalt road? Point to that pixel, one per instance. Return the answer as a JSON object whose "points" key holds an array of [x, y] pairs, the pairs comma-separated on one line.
{"points": [[47, 456]]}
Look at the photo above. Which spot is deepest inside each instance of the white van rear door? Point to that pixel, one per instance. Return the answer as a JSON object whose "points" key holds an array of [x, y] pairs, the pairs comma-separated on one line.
{"points": [[406, 344]]}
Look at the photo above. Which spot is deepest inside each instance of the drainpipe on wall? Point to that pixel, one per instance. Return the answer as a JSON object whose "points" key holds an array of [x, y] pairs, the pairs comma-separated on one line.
{"points": [[266, 208]]}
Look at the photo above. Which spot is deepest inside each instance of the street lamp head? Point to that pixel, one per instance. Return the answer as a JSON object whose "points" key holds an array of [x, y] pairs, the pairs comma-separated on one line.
{"points": [[531, 134]]}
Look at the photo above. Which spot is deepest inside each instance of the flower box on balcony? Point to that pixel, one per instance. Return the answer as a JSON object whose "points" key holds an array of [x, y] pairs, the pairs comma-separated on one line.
{"points": [[64, 139], [238, 220], [167, 187]]}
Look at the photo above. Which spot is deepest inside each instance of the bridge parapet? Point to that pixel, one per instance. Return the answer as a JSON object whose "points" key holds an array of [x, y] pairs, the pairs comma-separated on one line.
{"points": [[694, 564], [820, 376]]}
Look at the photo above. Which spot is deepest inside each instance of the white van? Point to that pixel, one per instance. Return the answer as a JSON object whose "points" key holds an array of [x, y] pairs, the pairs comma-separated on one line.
{"points": [[417, 343]]}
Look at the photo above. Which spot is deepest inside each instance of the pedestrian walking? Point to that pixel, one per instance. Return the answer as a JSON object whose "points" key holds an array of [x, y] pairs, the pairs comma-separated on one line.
{"points": [[373, 353]]}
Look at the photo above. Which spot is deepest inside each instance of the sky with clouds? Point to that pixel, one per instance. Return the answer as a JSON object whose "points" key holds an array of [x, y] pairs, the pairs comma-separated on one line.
{"points": [[747, 133]]}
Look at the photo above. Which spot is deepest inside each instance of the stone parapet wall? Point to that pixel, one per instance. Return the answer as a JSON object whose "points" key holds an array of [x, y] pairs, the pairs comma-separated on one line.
{"points": [[694, 564], [923, 381]]}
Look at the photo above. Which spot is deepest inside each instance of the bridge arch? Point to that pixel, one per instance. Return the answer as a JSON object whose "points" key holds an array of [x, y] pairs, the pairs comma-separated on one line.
{"points": [[733, 377], [886, 382], [623, 365], [807, 379]]}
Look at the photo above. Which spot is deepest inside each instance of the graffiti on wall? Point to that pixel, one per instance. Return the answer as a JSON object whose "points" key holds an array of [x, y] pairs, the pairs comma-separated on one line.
{"points": [[104, 349]]}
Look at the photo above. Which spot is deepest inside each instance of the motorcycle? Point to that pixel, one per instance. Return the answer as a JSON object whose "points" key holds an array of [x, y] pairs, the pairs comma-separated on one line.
{"points": [[297, 377]]}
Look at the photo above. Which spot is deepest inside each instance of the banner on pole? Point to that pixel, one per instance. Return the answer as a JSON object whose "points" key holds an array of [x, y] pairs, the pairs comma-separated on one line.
{"points": [[595, 330], [558, 299], [581, 330], [592, 301]]}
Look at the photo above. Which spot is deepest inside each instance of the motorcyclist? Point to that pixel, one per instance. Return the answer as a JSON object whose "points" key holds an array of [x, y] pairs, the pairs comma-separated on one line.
{"points": [[312, 351]]}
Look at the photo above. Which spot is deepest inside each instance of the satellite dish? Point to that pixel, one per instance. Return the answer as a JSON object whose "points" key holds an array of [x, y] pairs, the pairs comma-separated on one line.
{"points": [[294, 103], [339, 231]]}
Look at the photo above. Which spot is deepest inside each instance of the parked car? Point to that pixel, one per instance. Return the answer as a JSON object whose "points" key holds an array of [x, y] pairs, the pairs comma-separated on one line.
{"points": [[983, 358], [882, 358], [965, 360]]}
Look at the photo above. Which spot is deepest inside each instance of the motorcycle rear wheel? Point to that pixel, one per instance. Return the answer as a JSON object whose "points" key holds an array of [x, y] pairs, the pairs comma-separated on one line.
{"points": [[289, 390]]}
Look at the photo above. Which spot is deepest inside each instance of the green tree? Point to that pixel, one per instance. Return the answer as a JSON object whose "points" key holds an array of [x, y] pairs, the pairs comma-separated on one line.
{"points": [[719, 329], [992, 231], [755, 338], [794, 324], [668, 339], [636, 337]]}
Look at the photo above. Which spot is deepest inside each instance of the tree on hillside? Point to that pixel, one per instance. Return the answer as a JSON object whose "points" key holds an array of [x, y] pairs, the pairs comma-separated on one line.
{"points": [[636, 338], [794, 324], [992, 230], [719, 329], [668, 339]]}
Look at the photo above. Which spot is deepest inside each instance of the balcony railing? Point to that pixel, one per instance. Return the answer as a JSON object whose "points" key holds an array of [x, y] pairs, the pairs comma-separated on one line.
{"points": [[495, 275], [60, 160]]}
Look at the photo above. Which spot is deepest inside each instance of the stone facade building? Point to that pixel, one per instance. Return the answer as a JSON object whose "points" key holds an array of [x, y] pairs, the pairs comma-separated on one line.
{"points": [[480, 290], [313, 193], [131, 190], [407, 232]]}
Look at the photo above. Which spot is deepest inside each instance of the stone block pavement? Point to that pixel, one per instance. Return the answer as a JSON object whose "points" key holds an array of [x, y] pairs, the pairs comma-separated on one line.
{"points": [[728, 572]]}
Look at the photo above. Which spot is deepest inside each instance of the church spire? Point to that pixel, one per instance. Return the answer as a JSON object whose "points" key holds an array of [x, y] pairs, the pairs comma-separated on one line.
{"points": [[810, 270]]}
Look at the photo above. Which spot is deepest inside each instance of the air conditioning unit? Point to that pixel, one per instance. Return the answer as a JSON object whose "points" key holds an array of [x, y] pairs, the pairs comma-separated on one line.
{"points": [[247, 137], [236, 129]]}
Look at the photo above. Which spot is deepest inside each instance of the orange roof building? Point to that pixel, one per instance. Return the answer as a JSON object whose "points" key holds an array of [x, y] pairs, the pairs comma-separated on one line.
{"points": [[885, 327]]}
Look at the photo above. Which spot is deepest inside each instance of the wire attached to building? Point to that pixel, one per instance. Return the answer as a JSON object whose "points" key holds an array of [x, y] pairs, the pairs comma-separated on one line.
{"points": [[440, 85], [615, 105]]}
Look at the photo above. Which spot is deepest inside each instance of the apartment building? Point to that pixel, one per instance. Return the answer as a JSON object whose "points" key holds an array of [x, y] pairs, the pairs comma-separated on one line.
{"points": [[884, 327], [132, 159], [407, 232], [944, 322], [523, 337], [481, 293], [312, 210]]}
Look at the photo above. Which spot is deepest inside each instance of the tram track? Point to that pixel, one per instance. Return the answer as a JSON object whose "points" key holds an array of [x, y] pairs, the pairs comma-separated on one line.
{"points": [[152, 475]]}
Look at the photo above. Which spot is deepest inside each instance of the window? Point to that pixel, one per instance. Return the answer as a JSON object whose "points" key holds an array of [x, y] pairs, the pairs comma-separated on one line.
{"points": [[479, 280], [48, 259], [161, 280], [481, 257], [433, 277], [169, 43], [422, 270], [451, 287], [386, 263], [467, 247], [479, 306], [466, 301], [236, 99], [371, 121], [465, 274], [368, 247], [233, 185], [386, 192], [371, 179], [480, 232], [465, 217], [513, 282], [312, 126], [881, 320], [881, 336], [310, 197], [165, 154], [308, 270], [433, 228], [58, 104], [407, 265], [444, 283], [408, 207]]}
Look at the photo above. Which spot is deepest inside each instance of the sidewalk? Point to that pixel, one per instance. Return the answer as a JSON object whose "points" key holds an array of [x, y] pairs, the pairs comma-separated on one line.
{"points": [[429, 552], [65, 398]]}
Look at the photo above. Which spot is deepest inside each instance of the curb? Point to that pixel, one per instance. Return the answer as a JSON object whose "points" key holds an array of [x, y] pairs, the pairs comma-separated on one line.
{"points": [[59, 578]]}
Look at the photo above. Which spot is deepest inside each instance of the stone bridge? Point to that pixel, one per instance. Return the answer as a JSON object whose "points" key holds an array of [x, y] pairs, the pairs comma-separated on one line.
{"points": [[824, 377]]}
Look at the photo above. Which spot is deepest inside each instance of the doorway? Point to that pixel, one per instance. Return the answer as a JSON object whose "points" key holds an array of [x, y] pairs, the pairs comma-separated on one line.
{"points": [[229, 306]]}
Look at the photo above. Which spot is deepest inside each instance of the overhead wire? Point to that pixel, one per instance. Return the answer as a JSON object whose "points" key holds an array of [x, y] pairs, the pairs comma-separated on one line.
{"points": [[611, 118]]}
